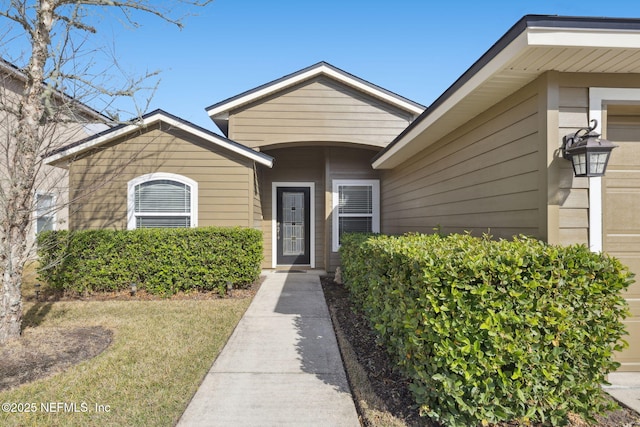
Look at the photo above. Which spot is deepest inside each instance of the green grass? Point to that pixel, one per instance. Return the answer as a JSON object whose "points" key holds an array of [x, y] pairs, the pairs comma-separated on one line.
{"points": [[160, 353]]}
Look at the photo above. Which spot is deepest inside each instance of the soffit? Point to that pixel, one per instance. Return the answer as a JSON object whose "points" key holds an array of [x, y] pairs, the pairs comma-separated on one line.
{"points": [[534, 52]]}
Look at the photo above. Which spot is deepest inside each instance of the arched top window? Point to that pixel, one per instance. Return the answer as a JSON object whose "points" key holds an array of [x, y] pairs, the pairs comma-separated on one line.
{"points": [[162, 200]]}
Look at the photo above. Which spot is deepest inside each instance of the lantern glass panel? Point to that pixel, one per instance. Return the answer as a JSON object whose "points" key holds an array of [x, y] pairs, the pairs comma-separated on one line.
{"points": [[579, 164], [597, 163]]}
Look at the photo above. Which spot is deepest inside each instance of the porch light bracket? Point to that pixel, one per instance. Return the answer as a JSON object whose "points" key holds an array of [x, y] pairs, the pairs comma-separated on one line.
{"points": [[588, 153]]}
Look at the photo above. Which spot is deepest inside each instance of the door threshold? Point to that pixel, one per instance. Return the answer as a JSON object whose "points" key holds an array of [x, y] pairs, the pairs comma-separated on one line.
{"points": [[294, 267]]}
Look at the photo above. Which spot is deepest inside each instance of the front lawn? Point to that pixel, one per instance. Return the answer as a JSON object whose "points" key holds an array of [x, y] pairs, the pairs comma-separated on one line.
{"points": [[161, 351]]}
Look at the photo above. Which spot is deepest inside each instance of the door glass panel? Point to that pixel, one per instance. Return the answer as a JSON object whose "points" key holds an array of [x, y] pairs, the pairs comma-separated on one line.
{"points": [[293, 223]]}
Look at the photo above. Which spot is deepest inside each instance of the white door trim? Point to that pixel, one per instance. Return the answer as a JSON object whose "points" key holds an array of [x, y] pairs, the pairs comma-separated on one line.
{"points": [[598, 96], [312, 219]]}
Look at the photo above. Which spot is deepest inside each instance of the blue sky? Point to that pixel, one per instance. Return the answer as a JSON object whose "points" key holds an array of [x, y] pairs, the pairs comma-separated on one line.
{"points": [[416, 48]]}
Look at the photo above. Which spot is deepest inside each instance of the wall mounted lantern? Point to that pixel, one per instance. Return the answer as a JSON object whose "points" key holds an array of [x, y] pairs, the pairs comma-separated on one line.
{"points": [[588, 153]]}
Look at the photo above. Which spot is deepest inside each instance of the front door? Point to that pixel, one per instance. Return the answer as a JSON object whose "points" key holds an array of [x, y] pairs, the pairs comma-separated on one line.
{"points": [[293, 226]]}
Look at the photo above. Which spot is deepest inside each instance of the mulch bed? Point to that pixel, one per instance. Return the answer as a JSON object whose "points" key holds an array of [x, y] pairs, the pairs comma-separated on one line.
{"points": [[41, 352], [142, 295], [393, 388]]}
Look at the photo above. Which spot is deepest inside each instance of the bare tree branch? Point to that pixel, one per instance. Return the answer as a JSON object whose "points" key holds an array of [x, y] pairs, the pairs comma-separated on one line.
{"points": [[43, 106]]}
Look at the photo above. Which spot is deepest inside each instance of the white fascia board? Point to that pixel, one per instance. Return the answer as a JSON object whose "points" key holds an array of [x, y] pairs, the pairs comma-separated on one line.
{"points": [[583, 37], [531, 37], [323, 69], [598, 96], [224, 108], [249, 153], [152, 120], [373, 91], [497, 64]]}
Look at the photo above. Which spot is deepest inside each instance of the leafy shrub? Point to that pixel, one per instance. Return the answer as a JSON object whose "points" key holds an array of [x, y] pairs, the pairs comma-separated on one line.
{"points": [[490, 331], [161, 261]]}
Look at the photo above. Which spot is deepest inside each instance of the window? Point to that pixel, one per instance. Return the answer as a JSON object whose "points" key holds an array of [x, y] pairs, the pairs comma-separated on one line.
{"points": [[162, 200], [356, 208], [45, 212]]}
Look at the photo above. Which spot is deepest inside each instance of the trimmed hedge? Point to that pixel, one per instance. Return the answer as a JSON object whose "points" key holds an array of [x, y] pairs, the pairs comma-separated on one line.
{"points": [[491, 331], [161, 261]]}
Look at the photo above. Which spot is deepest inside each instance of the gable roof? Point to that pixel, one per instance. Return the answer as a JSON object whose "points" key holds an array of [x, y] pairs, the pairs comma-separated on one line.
{"points": [[14, 72], [534, 45], [219, 112], [149, 119]]}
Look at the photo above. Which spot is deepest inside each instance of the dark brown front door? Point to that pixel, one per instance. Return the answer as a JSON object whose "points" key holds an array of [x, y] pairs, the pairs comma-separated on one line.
{"points": [[293, 226]]}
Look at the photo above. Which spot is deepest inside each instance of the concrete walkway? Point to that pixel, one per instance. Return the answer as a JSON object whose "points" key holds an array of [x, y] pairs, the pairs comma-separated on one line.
{"points": [[625, 387], [281, 365]]}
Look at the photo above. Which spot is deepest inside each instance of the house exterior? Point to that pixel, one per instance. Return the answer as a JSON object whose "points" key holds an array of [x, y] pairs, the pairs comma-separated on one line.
{"points": [[485, 157], [291, 147], [320, 152], [51, 184], [175, 174]]}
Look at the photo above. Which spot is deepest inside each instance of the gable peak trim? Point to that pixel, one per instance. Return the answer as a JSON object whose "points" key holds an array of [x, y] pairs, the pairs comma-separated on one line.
{"points": [[220, 110], [145, 122]]}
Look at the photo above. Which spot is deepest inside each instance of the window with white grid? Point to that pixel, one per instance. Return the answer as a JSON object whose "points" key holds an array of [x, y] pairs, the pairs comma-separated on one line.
{"points": [[162, 200], [356, 208]]}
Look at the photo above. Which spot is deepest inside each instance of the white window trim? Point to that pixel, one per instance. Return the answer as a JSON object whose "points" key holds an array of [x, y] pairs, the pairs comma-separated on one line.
{"points": [[375, 217], [131, 185], [599, 96], [54, 211], [274, 219]]}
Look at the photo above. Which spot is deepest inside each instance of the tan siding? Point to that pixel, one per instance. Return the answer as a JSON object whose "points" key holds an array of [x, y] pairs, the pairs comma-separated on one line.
{"points": [[318, 110], [320, 165], [257, 200], [294, 165], [573, 193], [99, 180], [343, 163], [574, 114], [481, 178]]}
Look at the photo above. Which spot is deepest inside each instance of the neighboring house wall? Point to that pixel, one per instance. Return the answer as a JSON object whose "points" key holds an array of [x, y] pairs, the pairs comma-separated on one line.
{"points": [[317, 110], [483, 177], [51, 183], [99, 179]]}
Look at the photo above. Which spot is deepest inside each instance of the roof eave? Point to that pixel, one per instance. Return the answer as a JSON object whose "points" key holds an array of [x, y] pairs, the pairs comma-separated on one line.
{"points": [[150, 120], [529, 32], [89, 112], [219, 112]]}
